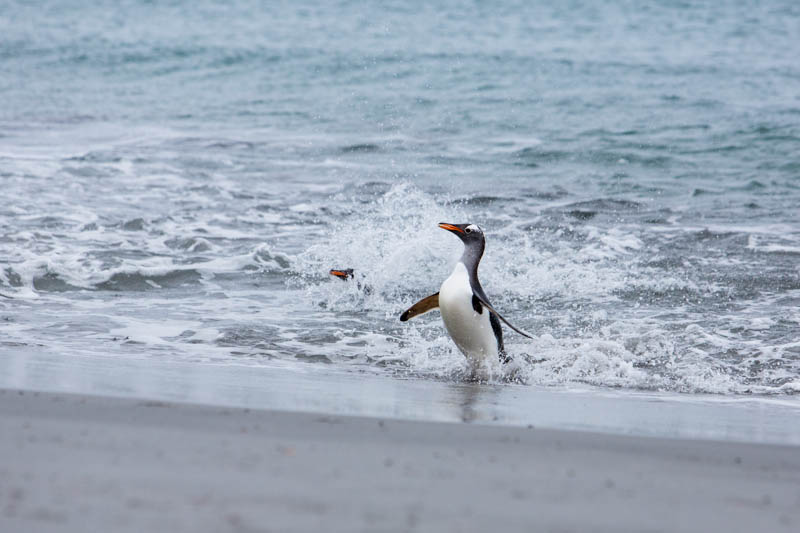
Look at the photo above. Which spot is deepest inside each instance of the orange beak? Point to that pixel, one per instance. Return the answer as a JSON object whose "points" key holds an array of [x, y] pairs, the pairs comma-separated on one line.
{"points": [[450, 227], [341, 274]]}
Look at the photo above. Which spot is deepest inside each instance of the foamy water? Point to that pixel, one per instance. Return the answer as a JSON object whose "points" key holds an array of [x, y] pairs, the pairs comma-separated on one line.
{"points": [[181, 193]]}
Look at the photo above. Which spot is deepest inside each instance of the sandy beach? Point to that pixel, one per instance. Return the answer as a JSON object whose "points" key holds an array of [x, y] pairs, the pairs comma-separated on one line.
{"points": [[89, 463]]}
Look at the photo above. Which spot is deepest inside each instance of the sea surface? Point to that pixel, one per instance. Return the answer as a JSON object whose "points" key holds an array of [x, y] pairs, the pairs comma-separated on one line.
{"points": [[177, 179]]}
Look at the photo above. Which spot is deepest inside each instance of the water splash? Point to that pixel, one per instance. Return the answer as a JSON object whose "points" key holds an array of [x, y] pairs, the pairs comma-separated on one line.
{"points": [[601, 314]]}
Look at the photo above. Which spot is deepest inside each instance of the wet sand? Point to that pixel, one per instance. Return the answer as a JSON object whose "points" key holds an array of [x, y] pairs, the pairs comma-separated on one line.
{"points": [[329, 391], [90, 463]]}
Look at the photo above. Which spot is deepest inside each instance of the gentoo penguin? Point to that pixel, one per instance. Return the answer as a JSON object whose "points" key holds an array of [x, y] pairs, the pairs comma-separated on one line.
{"points": [[345, 274], [470, 319]]}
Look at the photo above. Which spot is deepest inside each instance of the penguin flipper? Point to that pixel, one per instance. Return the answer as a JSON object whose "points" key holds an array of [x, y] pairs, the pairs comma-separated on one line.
{"points": [[493, 310], [498, 334], [423, 306]]}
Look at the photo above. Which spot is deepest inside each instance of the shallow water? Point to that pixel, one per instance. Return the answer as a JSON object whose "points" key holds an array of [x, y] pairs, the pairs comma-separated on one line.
{"points": [[179, 190], [330, 390]]}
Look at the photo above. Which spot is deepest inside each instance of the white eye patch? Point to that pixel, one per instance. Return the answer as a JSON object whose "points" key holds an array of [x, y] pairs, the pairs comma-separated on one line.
{"points": [[473, 227]]}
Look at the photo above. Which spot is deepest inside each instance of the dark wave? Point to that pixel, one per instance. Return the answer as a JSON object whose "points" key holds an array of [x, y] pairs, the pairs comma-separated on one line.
{"points": [[363, 148], [534, 157], [605, 205], [52, 282], [136, 281]]}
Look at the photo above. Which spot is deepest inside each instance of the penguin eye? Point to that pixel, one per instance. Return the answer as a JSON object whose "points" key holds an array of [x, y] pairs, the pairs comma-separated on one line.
{"points": [[468, 230]]}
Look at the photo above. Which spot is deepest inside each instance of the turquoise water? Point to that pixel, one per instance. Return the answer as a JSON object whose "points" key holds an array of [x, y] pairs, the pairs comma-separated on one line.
{"points": [[177, 178]]}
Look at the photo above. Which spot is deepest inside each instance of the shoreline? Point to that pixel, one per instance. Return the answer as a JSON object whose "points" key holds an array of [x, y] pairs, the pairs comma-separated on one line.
{"points": [[73, 462], [320, 389]]}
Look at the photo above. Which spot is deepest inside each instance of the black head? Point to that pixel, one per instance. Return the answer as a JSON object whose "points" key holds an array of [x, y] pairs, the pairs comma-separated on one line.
{"points": [[470, 234], [474, 242]]}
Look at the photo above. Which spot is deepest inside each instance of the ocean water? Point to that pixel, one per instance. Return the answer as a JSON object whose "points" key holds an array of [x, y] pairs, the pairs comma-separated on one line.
{"points": [[178, 178]]}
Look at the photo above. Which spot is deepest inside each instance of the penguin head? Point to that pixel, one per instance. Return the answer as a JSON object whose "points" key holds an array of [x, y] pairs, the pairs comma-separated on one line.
{"points": [[468, 233], [343, 274]]}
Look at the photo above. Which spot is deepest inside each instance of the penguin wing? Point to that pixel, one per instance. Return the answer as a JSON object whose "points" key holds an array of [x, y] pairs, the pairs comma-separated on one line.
{"points": [[483, 301], [422, 306]]}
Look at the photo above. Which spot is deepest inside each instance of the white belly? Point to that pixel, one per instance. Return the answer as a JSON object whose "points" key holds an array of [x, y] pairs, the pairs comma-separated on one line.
{"points": [[472, 332]]}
